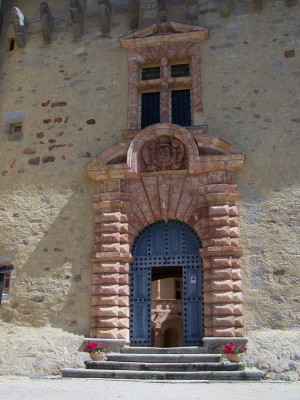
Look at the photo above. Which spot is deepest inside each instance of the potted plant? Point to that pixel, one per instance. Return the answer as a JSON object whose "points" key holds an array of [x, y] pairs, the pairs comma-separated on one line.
{"points": [[234, 351], [96, 350]]}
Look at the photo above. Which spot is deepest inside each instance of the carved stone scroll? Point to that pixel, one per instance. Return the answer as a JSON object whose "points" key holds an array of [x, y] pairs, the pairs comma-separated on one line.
{"points": [[192, 9], [76, 14], [163, 153], [105, 15], [133, 10], [47, 22], [20, 25]]}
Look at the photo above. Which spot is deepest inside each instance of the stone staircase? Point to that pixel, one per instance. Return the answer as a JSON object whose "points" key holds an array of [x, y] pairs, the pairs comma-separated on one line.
{"points": [[149, 363]]}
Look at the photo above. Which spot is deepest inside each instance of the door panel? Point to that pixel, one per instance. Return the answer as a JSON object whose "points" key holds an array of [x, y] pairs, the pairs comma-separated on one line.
{"points": [[140, 307], [171, 244], [192, 299]]}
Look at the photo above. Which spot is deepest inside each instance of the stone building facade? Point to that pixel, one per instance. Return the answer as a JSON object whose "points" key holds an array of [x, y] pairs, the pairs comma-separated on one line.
{"points": [[95, 199]]}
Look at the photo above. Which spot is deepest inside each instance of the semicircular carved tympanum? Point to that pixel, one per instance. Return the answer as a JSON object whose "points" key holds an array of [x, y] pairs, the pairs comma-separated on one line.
{"points": [[170, 173]]}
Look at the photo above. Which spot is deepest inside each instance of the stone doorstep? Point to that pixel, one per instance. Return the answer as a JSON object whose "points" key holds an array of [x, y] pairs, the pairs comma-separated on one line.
{"points": [[165, 350], [250, 375], [210, 345]]}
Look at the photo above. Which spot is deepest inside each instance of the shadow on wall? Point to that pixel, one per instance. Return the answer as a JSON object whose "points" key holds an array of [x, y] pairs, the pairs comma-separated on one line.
{"points": [[52, 286]]}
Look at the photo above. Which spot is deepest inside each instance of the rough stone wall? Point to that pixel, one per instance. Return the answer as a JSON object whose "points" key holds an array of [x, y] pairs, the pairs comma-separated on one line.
{"points": [[72, 98]]}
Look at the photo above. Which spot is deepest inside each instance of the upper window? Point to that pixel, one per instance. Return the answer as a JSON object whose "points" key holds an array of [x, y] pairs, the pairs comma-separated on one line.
{"points": [[150, 108], [179, 70], [181, 107], [150, 73], [160, 100]]}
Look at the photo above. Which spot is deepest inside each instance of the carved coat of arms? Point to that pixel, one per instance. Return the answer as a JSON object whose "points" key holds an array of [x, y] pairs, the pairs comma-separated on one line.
{"points": [[163, 153]]}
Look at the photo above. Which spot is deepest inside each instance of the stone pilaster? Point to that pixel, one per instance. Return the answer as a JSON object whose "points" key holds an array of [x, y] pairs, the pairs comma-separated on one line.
{"points": [[133, 93], [221, 265], [110, 282], [196, 85], [164, 93]]}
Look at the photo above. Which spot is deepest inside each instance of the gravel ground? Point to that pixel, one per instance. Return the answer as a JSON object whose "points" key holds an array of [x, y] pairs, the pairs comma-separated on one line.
{"points": [[14, 388]]}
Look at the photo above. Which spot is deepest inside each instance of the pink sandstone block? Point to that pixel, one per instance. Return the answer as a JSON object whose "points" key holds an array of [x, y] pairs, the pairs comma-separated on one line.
{"points": [[224, 309], [123, 323], [224, 321], [218, 210], [220, 221], [108, 323], [223, 231], [226, 332]]}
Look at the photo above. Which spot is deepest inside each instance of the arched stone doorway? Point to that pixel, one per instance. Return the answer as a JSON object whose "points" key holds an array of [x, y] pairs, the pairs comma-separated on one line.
{"points": [[166, 251], [167, 172]]}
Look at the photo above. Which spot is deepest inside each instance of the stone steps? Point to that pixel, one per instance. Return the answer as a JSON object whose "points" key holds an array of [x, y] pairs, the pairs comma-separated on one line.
{"points": [[183, 367], [164, 358], [186, 363], [253, 375]]}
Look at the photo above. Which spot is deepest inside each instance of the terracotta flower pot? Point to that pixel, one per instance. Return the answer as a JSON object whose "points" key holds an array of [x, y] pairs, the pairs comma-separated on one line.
{"points": [[235, 358], [98, 356]]}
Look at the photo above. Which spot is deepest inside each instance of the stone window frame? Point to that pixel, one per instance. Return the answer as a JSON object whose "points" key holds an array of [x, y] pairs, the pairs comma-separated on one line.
{"points": [[15, 131], [146, 47], [13, 120]]}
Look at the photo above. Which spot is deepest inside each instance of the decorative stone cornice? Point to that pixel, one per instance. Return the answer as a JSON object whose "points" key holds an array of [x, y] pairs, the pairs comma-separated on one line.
{"points": [[150, 36], [205, 153]]}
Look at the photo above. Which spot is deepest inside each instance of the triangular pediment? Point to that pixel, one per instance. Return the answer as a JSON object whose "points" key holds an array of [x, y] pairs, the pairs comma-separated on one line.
{"points": [[167, 31]]}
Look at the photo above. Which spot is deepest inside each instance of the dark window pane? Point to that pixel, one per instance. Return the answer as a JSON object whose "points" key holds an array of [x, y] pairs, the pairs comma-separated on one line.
{"points": [[6, 283], [150, 73], [150, 109], [11, 44], [179, 70], [181, 107]]}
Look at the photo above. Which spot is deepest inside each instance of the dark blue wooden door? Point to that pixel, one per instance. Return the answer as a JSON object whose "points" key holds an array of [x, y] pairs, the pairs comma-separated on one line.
{"points": [[172, 244]]}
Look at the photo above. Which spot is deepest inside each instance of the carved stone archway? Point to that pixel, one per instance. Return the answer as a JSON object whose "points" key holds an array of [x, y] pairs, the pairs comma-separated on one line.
{"points": [[167, 172]]}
